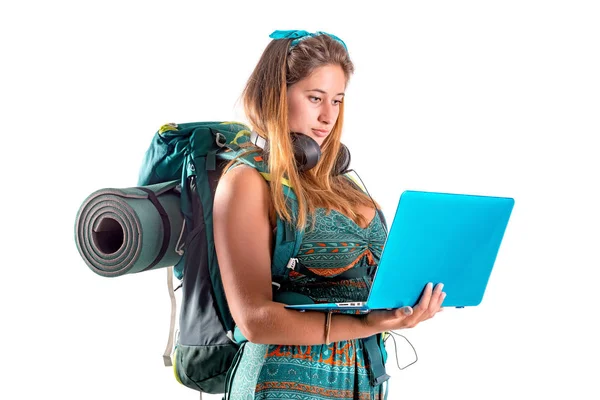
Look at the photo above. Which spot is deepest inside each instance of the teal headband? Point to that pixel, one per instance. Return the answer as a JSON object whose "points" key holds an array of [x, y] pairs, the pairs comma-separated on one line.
{"points": [[300, 35]]}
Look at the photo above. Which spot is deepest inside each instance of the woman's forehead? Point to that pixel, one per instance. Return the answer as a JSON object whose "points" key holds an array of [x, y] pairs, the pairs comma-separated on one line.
{"points": [[328, 78]]}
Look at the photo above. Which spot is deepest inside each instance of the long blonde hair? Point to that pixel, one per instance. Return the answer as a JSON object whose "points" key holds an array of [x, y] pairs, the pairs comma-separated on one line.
{"points": [[265, 105]]}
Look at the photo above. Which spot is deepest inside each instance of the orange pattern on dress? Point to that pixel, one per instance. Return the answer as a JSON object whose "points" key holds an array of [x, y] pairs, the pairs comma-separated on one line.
{"points": [[336, 271], [340, 356], [315, 390]]}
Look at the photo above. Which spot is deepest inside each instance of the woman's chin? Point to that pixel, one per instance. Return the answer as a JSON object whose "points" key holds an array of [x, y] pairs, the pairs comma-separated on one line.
{"points": [[318, 139]]}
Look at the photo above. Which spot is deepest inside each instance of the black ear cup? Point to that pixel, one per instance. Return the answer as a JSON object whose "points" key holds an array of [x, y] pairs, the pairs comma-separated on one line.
{"points": [[342, 163], [307, 152]]}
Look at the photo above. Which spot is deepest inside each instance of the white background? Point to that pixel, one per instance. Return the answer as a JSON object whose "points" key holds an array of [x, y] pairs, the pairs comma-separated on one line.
{"points": [[481, 97]]}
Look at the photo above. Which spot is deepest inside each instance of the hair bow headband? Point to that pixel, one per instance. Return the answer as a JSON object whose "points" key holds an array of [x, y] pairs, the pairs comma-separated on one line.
{"points": [[300, 35]]}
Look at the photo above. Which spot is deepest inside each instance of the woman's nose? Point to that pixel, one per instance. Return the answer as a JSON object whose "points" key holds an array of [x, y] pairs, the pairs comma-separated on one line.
{"points": [[327, 114]]}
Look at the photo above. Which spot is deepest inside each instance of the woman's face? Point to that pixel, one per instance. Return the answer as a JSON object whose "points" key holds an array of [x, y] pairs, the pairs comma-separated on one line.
{"points": [[314, 102]]}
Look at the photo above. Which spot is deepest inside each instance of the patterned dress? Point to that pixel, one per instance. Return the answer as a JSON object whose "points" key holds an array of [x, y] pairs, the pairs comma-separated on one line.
{"points": [[334, 371]]}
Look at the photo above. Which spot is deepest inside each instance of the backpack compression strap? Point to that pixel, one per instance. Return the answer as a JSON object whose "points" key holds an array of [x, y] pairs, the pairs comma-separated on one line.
{"points": [[167, 354]]}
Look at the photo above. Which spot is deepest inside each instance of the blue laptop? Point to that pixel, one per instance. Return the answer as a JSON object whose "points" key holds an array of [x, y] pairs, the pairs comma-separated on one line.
{"points": [[440, 238]]}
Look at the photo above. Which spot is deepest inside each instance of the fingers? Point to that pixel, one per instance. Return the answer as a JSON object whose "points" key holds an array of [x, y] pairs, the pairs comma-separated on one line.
{"points": [[418, 312], [437, 298], [441, 301], [430, 302], [425, 299]]}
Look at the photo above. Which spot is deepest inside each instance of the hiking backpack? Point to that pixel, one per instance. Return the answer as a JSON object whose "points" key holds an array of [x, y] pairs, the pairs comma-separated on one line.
{"points": [[194, 155]]}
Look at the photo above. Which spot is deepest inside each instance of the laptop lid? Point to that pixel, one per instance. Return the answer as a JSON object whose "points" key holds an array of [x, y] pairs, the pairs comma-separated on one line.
{"points": [[444, 238]]}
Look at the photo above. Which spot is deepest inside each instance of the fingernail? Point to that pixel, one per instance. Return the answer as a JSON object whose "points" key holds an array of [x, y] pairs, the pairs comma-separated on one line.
{"points": [[441, 286], [407, 310]]}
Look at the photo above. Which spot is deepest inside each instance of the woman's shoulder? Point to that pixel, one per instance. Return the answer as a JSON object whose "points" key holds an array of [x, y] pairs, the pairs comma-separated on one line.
{"points": [[243, 190], [243, 180]]}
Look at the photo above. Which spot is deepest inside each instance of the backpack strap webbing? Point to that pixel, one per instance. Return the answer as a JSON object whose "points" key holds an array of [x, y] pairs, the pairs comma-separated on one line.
{"points": [[376, 361], [167, 354]]}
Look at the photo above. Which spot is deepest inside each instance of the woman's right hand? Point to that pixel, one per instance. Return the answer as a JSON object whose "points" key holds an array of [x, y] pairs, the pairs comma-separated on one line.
{"points": [[408, 317]]}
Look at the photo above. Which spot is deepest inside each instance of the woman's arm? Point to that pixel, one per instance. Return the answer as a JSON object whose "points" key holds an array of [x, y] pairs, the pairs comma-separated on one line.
{"points": [[243, 241]]}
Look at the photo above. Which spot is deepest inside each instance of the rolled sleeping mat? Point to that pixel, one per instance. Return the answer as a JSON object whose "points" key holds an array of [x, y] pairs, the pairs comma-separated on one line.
{"points": [[124, 231]]}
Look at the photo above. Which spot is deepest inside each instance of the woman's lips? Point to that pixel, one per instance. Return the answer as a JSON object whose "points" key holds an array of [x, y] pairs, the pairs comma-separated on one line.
{"points": [[320, 132]]}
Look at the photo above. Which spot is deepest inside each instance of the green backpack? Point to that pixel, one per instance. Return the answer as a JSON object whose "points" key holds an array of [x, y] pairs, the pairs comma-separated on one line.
{"points": [[195, 154]]}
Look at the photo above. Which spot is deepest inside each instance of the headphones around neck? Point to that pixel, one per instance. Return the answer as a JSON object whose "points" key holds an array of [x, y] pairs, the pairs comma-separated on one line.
{"points": [[307, 152]]}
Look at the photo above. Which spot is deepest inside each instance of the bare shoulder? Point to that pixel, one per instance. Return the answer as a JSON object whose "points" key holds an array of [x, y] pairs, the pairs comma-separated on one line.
{"points": [[243, 180], [243, 185]]}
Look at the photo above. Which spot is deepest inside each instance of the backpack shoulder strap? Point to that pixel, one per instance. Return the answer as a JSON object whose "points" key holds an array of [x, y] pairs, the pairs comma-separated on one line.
{"points": [[287, 245]]}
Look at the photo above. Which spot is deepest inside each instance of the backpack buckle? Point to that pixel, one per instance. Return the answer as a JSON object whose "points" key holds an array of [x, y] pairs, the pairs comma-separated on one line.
{"points": [[220, 139]]}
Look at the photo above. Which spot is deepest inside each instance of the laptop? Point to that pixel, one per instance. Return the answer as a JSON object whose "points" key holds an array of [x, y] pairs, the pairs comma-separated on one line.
{"points": [[446, 238]]}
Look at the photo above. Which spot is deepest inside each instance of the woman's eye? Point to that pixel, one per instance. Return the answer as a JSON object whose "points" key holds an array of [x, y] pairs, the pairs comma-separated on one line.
{"points": [[314, 99], [338, 102]]}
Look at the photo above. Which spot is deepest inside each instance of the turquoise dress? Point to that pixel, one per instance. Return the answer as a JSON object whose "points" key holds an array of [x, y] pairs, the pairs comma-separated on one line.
{"points": [[335, 371]]}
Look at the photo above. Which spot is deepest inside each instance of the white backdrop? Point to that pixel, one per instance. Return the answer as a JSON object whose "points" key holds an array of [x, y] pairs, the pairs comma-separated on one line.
{"points": [[498, 98]]}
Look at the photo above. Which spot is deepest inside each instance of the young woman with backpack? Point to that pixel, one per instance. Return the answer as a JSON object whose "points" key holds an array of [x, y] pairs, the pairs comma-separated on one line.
{"points": [[294, 101]]}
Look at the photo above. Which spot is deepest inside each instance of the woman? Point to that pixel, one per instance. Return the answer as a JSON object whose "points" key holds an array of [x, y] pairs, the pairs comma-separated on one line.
{"points": [[298, 86]]}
